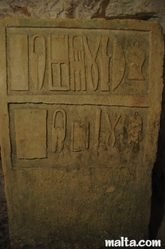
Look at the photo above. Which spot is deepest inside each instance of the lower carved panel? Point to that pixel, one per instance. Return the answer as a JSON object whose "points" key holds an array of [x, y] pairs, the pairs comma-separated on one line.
{"points": [[52, 135]]}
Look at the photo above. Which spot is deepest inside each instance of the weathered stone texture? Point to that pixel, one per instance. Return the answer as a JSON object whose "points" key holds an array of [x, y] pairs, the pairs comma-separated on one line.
{"points": [[142, 9], [86, 9], [126, 8], [51, 9], [80, 109]]}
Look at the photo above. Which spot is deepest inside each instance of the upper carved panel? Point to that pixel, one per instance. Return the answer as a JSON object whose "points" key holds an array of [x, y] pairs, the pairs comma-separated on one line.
{"points": [[71, 61]]}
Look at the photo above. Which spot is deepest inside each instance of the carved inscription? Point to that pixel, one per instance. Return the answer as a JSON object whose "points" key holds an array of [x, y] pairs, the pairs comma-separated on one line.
{"points": [[64, 62], [59, 64], [57, 60], [134, 126], [38, 61], [58, 130], [59, 133], [105, 64], [112, 130], [119, 65], [98, 128], [93, 67], [136, 58], [80, 136], [78, 64]]}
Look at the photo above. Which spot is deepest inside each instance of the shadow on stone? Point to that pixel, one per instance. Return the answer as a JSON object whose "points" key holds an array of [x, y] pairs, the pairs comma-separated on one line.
{"points": [[4, 230], [158, 178]]}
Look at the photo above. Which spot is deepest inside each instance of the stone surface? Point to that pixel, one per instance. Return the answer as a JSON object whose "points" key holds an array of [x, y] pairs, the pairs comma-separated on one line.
{"points": [[145, 8], [142, 9], [4, 229], [80, 108], [51, 8], [85, 9]]}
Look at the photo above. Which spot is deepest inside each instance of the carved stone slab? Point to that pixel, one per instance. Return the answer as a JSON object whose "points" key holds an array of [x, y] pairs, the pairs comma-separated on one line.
{"points": [[80, 108]]}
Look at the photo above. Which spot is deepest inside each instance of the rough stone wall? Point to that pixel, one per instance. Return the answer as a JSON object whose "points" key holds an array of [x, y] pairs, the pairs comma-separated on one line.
{"points": [[86, 9]]}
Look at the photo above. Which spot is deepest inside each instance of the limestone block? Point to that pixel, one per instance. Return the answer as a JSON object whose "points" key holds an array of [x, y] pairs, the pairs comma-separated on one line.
{"points": [[80, 107]]}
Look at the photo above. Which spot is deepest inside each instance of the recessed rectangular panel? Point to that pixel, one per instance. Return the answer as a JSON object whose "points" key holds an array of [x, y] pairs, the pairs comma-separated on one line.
{"points": [[18, 61], [80, 131], [30, 130], [99, 62]]}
